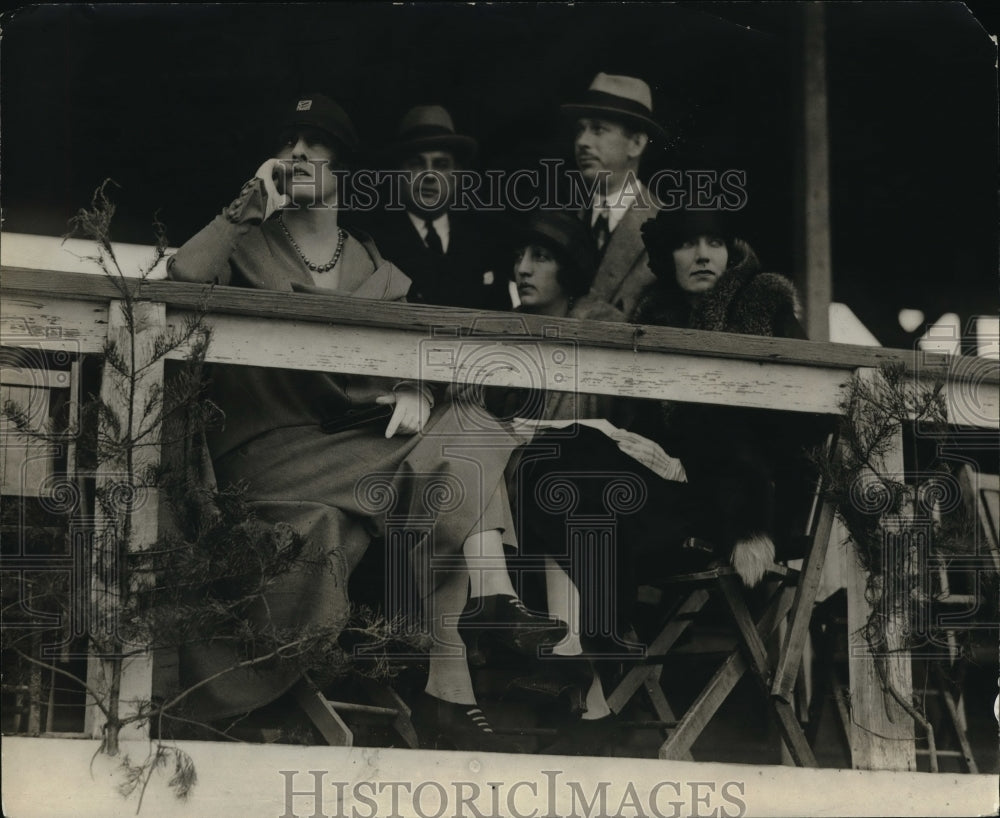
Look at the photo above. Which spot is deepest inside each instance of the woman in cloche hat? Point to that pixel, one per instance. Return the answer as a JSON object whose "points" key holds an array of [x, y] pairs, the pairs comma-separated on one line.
{"points": [[313, 455], [717, 483]]}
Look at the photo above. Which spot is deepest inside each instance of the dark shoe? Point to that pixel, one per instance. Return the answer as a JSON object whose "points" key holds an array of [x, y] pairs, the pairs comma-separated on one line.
{"points": [[442, 725], [565, 679], [504, 620], [586, 737]]}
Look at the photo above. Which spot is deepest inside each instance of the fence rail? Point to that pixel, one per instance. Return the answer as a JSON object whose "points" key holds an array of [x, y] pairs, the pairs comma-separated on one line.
{"points": [[75, 312]]}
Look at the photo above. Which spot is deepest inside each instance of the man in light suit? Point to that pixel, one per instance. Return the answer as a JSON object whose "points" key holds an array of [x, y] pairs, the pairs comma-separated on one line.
{"points": [[454, 259], [614, 127]]}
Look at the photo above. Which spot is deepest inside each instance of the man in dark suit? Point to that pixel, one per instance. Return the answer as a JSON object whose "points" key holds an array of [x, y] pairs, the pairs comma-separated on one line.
{"points": [[453, 258], [614, 127]]}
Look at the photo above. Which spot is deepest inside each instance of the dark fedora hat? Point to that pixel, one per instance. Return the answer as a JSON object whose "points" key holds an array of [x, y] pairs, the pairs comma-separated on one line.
{"points": [[618, 97], [566, 234], [430, 128], [319, 111]]}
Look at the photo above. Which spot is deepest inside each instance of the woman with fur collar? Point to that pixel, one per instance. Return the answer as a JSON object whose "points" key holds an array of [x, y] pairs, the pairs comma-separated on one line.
{"points": [[696, 471], [708, 278]]}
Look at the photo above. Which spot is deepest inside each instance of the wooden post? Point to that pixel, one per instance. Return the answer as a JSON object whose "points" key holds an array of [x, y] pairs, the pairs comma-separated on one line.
{"points": [[128, 483], [815, 281], [881, 732]]}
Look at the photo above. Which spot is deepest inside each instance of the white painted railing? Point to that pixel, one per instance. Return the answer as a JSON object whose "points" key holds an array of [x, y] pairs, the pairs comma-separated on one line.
{"points": [[74, 312]]}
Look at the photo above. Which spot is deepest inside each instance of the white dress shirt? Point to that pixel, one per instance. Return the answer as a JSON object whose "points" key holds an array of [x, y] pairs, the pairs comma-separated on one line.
{"points": [[441, 226], [615, 205]]}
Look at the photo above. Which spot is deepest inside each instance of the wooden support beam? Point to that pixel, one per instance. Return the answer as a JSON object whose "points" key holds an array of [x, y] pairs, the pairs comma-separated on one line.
{"points": [[793, 645], [817, 287], [881, 733], [126, 394]]}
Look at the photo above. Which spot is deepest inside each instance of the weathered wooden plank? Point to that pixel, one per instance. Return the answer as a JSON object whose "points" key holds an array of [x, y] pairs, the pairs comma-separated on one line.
{"points": [[35, 378], [331, 309], [44, 321], [240, 778], [73, 255], [530, 363]]}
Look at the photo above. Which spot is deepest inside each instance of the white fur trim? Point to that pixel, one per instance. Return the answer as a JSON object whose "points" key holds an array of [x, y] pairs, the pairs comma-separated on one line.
{"points": [[752, 557]]}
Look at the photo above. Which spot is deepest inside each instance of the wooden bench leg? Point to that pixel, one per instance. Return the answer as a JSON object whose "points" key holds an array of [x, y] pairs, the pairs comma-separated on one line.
{"points": [[721, 684], [661, 705], [788, 722], [322, 714], [385, 696], [637, 676], [957, 722]]}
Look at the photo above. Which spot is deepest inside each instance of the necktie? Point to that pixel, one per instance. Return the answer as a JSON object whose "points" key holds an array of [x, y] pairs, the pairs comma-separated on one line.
{"points": [[433, 240], [601, 229]]}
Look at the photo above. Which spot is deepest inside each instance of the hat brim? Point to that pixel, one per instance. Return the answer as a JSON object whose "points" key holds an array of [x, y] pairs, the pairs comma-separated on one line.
{"points": [[653, 129], [583, 259], [344, 139], [463, 147]]}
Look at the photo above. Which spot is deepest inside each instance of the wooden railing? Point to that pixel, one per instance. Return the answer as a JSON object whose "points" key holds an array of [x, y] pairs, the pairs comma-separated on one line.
{"points": [[76, 313]]}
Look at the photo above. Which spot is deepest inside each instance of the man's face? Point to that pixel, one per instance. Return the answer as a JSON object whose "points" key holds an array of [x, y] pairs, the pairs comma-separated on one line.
{"points": [[431, 182], [602, 145]]}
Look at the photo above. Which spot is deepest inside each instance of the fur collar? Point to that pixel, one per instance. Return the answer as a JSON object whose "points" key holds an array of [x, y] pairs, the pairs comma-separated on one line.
{"points": [[744, 301]]}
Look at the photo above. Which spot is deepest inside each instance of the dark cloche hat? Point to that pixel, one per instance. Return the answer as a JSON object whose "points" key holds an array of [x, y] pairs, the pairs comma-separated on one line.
{"points": [[566, 234], [319, 111], [671, 228]]}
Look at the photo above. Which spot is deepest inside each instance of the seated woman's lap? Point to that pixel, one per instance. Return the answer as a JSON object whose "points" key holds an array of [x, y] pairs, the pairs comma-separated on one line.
{"points": [[598, 512], [446, 483]]}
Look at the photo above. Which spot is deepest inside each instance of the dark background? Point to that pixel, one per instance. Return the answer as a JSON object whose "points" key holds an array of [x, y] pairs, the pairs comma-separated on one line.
{"points": [[177, 105]]}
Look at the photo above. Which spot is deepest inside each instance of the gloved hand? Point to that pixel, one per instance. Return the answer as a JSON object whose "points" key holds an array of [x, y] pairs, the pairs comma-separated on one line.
{"points": [[412, 410], [650, 454], [271, 173]]}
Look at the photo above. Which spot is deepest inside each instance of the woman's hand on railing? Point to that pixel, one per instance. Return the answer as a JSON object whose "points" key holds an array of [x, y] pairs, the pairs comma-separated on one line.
{"points": [[411, 412], [650, 454]]}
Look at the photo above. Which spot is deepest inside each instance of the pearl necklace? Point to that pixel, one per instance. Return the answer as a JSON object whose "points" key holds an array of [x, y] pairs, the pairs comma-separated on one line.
{"points": [[316, 268]]}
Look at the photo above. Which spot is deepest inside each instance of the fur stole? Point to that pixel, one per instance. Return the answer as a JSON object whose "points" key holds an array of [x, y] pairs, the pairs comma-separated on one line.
{"points": [[744, 301]]}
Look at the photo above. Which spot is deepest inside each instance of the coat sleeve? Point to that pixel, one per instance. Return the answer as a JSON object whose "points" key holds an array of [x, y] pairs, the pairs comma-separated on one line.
{"points": [[204, 258]]}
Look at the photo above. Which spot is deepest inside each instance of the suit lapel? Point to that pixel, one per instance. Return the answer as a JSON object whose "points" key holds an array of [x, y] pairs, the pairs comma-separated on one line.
{"points": [[625, 246], [409, 235]]}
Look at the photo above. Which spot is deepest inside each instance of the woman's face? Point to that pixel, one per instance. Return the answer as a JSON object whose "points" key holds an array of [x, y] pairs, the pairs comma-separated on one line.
{"points": [[305, 161], [699, 262], [536, 273]]}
